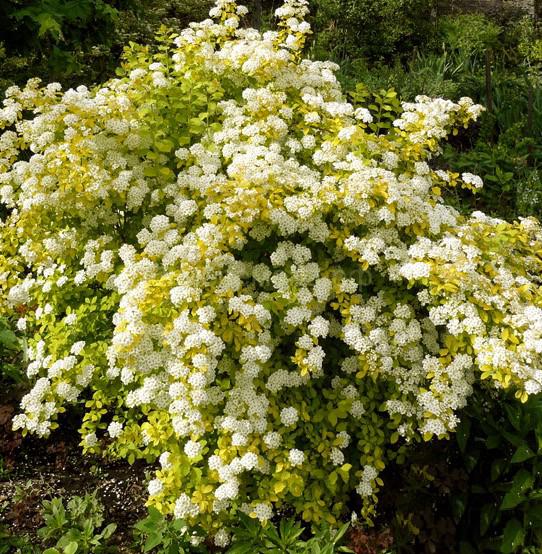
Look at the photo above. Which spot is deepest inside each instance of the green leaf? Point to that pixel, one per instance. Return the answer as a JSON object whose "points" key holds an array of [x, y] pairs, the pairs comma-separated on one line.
{"points": [[521, 483], [493, 441], [487, 514], [513, 537], [71, 548], [164, 145], [241, 547], [521, 454], [45, 20], [458, 506], [340, 533], [153, 541], [538, 433], [8, 339], [534, 515], [497, 467], [471, 459], [512, 438], [511, 500], [109, 530]]}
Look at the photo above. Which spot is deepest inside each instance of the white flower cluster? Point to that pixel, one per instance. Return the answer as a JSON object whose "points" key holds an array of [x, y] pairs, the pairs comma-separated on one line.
{"points": [[366, 484]]}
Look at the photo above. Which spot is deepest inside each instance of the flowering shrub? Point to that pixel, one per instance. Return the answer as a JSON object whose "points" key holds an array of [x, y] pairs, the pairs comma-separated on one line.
{"points": [[237, 277]]}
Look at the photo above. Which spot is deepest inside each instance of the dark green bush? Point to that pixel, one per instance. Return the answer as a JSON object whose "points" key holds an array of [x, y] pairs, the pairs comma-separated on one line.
{"points": [[373, 29], [56, 38], [80, 41], [479, 494], [500, 442]]}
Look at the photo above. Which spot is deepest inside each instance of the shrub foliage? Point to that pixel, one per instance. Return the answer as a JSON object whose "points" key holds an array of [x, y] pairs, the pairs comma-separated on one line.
{"points": [[237, 275]]}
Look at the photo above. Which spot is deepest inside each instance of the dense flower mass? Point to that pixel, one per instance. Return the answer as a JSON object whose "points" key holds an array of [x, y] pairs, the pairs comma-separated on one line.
{"points": [[216, 257]]}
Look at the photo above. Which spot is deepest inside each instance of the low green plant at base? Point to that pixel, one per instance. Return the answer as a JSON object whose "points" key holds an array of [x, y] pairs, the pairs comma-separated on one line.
{"points": [[285, 538], [77, 527], [163, 535]]}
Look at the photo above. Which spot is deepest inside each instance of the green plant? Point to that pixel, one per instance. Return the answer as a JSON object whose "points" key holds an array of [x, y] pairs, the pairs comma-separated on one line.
{"points": [[11, 353], [384, 106], [479, 493], [10, 544], [80, 41], [285, 538], [77, 526], [509, 171], [162, 535], [468, 36], [500, 509], [233, 274], [54, 18], [56, 31], [390, 28], [529, 196]]}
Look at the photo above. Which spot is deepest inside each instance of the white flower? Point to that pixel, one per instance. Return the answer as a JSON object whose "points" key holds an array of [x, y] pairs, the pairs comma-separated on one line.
{"points": [[336, 457], [473, 180], [289, 416], [114, 429], [91, 439], [184, 507], [364, 115], [192, 449], [222, 538], [70, 319], [296, 457], [165, 460], [272, 439], [263, 512], [155, 487]]}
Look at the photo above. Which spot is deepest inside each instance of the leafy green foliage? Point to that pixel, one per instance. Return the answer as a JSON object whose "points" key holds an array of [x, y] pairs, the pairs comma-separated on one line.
{"points": [[11, 544], [56, 18], [161, 535], [384, 105], [505, 153], [479, 493], [11, 349], [510, 169], [80, 41], [499, 66], [500, 442], [52, 33], [376, 29], [285, 538], [468, 35], [77, 526]]}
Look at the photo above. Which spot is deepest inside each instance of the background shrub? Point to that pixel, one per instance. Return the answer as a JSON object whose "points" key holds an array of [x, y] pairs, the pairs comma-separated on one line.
{"points": [[347, 30]]}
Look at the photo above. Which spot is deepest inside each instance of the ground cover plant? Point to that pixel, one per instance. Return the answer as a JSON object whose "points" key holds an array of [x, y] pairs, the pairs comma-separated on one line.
{"points": [[239, 275]]}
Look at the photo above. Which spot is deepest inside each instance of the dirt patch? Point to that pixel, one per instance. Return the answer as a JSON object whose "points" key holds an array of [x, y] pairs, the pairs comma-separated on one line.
{"points": [[34, 470]]}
